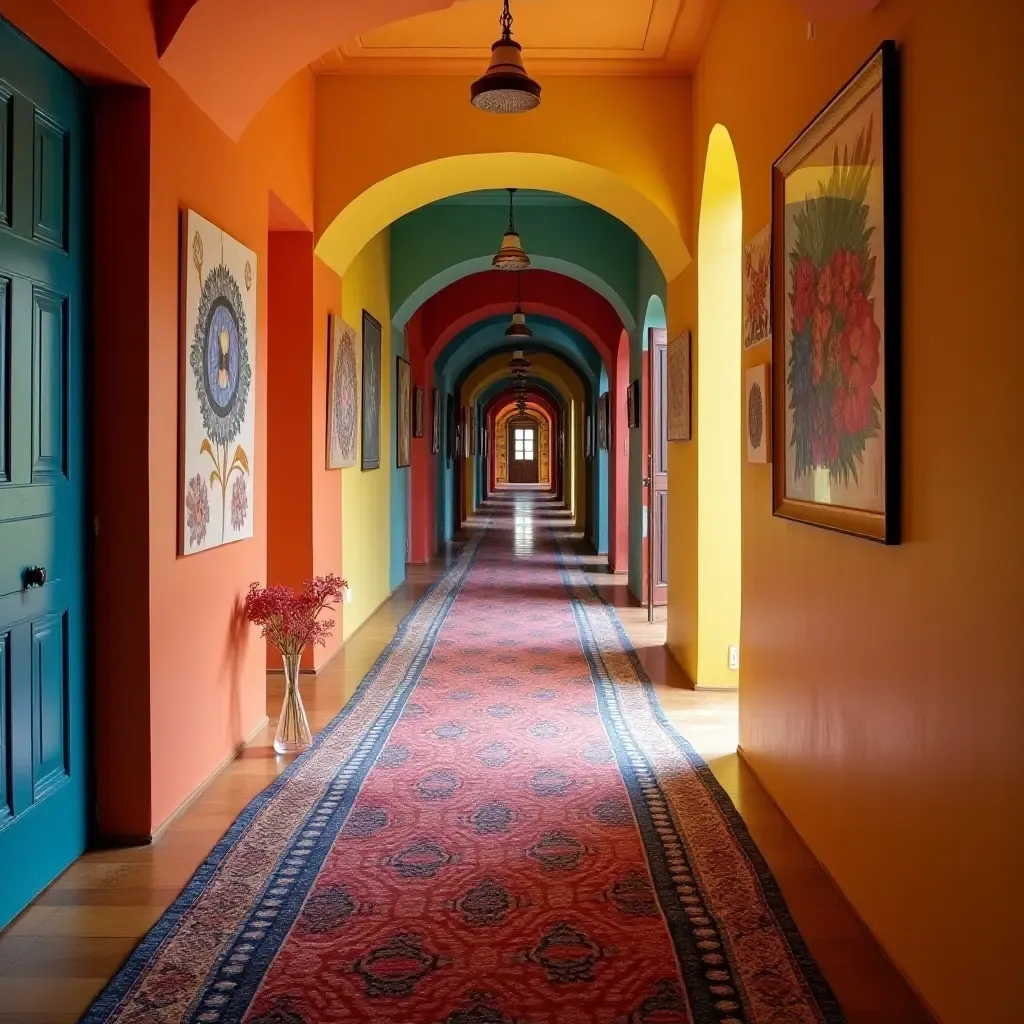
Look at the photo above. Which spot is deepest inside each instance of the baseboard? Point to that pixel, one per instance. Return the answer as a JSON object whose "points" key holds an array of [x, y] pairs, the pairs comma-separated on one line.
{"points": [[190, 799], [925, 1006]]}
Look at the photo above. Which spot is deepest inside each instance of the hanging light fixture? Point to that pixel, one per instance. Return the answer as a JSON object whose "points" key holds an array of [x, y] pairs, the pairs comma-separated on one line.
{"points": [[518, 328], [505, 88], [511, 255], [519, 364]]}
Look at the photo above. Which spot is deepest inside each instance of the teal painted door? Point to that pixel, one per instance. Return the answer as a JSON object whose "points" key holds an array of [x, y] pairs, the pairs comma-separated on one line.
{"points": [[43, 791]]}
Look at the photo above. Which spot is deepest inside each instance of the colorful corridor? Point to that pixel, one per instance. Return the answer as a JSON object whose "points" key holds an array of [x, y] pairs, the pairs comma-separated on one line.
{"points": [[493, 484], [500, 826]]}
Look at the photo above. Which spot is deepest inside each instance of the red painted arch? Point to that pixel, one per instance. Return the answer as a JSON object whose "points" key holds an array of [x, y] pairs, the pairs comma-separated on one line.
{"points": [[544, 293], [491, 293]]}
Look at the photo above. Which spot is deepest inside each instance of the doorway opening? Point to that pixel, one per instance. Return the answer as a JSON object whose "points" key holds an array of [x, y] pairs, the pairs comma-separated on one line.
{"points": [[719, 448]]}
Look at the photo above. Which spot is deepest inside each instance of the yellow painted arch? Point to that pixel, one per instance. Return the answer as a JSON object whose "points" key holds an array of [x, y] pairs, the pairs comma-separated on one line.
{"points": [[360, 217]]}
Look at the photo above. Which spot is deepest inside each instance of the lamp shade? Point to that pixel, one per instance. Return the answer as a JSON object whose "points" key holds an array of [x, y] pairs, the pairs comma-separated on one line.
{"points": [[518, 328], [511, 255], [505, 87]]}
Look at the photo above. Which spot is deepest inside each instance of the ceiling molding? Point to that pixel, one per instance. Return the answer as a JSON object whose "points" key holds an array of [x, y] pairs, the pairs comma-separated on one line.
{"points": [[559, 37]]}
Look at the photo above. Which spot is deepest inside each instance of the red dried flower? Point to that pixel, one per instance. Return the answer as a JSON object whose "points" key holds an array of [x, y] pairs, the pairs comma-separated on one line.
{"points": [[289, 620]]}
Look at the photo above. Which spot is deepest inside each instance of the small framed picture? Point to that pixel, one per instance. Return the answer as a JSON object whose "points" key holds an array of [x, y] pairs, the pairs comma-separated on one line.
{"points": [[435, 423], [757, 413], [633, 404], [417, 412]]}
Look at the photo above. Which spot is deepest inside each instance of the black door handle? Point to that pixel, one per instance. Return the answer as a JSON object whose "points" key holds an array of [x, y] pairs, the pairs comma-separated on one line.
{"points": [[34, 576]]}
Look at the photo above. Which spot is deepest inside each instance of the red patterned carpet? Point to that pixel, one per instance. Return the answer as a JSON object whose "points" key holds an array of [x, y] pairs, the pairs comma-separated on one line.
{"points": [[499, 829]]}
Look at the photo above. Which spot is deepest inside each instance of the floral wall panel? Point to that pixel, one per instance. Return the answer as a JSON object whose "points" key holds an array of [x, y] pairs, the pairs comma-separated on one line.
{"points": [[218, 383]]}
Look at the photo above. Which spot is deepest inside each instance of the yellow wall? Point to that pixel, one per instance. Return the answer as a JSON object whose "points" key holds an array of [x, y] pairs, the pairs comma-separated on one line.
{"points": [[365, 497], [719, 289], [619, 143], [883, 688]]}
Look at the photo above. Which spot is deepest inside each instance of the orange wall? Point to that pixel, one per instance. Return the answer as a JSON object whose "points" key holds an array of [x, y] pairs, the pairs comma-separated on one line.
{"points": [[289, 413], [881, 692], [207, 695], [204, 669]]}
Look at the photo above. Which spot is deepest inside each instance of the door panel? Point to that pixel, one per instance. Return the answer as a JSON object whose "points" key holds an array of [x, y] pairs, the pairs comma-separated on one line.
{"points": [[522, 449], [657, 518], [43, 790]]}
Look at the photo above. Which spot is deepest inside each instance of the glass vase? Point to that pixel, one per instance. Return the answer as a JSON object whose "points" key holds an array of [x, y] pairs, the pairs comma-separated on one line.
{"points": [[293, 734]]}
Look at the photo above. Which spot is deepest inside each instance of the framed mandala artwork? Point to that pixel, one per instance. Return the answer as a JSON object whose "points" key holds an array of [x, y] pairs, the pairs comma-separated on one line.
{"points": [[756, 415], [218, 387], [836, 312], [342, 395]]}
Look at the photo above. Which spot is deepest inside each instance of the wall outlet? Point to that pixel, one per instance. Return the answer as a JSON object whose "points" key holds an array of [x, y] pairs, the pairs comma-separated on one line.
{"points": [[734, 657]]}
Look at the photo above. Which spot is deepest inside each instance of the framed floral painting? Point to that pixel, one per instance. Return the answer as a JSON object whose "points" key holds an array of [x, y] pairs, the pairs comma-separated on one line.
{"points": [[757, 300], [218, 387], [836, 312]]}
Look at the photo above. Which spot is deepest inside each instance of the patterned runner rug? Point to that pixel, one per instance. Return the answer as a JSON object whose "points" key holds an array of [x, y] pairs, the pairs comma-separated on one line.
{"points": [[499, 828]]}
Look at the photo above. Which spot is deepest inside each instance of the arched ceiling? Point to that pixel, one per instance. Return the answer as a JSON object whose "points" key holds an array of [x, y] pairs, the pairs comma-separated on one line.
{"points": [[445, 241], [358, 218], [501, 391], [487, 338], [547, 295]]}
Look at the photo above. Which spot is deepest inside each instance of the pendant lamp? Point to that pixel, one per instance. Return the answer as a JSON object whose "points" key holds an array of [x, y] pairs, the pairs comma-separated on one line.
{"points": [[511, 255], [519, 364], [518, 328], [505, 88]]}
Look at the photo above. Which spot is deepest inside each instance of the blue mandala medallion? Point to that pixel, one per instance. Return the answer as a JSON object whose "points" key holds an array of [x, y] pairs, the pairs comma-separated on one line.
{"points": [[220, 357]]}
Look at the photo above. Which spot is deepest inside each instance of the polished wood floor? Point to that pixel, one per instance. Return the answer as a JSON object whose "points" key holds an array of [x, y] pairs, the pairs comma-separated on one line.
{"points": [[60, 952]]}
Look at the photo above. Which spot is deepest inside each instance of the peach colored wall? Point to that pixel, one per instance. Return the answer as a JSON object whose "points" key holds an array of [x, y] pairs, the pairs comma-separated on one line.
{"points": [[882, 689], [326, 482], [208, 694]]}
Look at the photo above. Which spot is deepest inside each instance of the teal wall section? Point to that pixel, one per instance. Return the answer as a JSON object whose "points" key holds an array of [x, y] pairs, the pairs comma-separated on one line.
{"points": [[443, 242], [399, 518], [651, 289]]}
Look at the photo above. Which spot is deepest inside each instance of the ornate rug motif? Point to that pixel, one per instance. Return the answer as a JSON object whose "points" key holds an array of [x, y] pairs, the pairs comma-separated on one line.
{"points": [[499, 828]]}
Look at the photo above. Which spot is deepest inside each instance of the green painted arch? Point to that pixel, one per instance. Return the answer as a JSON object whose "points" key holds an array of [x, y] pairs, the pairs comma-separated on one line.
{"points": [[457, 271], [442, 242]]}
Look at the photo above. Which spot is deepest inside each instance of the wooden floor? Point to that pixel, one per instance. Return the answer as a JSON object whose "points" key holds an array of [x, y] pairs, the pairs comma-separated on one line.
{"points": [[60, 952]]}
